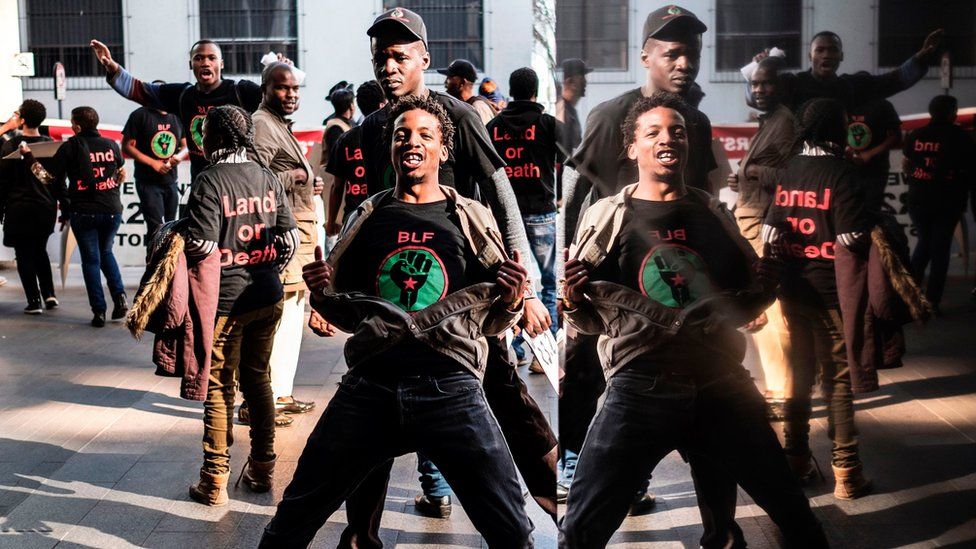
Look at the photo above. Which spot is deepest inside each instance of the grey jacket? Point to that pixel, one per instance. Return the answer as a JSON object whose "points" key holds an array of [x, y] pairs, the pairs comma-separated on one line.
{"points": [[455, 326], [630, 324]]}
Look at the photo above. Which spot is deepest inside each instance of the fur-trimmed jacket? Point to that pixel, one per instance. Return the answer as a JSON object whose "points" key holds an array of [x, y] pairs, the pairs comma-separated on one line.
{"points": [[877, 297], [177, 301]]}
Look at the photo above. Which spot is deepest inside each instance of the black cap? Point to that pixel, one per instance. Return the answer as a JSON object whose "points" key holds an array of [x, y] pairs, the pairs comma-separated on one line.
{"points": [[342, 88], [575, 67], [402, 19], [671, 16], [462, 68]]}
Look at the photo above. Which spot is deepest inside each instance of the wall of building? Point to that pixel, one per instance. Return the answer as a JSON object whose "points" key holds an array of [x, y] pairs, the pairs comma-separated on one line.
{"points": [[855, 22]]}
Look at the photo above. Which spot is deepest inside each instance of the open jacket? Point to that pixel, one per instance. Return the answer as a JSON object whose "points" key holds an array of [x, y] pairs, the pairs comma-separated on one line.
{"points": [[278, 149], [177, 301], [877, 297], [630, 324], [455, 326]]}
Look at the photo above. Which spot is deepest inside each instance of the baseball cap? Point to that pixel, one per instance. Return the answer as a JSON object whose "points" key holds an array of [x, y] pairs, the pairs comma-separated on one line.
{"points": [[462, 68], [671, 16], [342, 88], [575, 67], [400, 19]]}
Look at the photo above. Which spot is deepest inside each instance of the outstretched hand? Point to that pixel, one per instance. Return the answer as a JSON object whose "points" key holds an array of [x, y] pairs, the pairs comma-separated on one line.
{"points": [[930, 45], [104, 57]]}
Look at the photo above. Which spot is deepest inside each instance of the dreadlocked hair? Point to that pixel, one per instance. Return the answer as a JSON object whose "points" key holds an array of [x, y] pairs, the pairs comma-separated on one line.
{"points": [[233, 128], [427, 104], [822, 123]]}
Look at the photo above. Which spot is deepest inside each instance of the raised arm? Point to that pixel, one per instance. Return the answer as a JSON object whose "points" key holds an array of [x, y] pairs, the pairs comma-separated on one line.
{"points": [[164, 97]]}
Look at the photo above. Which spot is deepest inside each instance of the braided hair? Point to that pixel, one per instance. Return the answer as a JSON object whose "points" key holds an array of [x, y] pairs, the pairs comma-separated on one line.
{"points": [[232, 127], [822, 123]]}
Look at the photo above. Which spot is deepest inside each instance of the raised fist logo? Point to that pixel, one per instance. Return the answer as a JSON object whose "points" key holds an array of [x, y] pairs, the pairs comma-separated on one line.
{"points": [[858, 136], [412, 278], [163, 144], [409, 273], [674, 276]]}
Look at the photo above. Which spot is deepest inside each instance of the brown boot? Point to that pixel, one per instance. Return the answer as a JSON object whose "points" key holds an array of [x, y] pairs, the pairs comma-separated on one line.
{"points": [[850, 482], [211, 489], [805, 468], [257, 475]]}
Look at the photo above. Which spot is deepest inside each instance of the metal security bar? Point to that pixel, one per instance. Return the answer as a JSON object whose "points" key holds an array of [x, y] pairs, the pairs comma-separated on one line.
{"points": [[247, 29], [455, 29], [596, 31]]}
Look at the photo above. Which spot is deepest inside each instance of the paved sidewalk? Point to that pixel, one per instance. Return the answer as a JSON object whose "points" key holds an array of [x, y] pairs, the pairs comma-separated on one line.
{"points": [[96, 451]]}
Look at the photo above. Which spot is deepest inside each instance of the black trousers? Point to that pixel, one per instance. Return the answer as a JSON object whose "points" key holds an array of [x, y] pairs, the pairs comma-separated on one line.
{"points": [[644, 417], [935, 222], [526, 432], [158, 204], [34, 265]]}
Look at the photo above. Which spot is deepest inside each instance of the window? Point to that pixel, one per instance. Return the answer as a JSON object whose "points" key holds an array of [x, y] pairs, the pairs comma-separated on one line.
{"points": [[248, 29], [596, 31], [455, 29], [61, 31], [903, 25], [746, 27]]}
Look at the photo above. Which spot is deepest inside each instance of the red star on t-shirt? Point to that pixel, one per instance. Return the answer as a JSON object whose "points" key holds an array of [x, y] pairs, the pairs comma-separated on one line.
{"points": [[679, 280], [410, 283]]}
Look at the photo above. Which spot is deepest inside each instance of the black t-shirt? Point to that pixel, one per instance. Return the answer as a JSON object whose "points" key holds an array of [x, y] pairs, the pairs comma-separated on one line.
{"points": [[346, 164], [18, 187], [472, 160], [191, 106], [411, 255], [527, 139], [242, 207], [602, 161], [157, 136], [814, 200], [943, 163], [869, 126], [673, 252], [90, 162], [851, 89]]}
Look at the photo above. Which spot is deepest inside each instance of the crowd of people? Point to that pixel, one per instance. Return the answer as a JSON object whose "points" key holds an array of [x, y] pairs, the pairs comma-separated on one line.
{"points": [[438, 221]]}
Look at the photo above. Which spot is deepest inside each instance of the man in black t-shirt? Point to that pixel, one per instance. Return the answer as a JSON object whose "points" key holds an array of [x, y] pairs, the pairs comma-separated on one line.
{"points": [[189, 102], [422, 294], [346, 162], [154, 140], [528, 139], [874, 128], [674, 258], [573, 89], [940, 165]]}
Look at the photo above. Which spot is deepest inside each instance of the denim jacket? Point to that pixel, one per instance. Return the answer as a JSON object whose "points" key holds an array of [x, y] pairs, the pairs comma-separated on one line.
{"points": [[455, 325], [630, 324]]}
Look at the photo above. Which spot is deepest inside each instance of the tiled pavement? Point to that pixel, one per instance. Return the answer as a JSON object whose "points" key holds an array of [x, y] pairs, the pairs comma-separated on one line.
{"points": [[95, 451]]}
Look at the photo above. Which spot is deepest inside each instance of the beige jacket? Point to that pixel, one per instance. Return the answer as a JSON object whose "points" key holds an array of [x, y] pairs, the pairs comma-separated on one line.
{"points": [[455, 326], [277, 148]]}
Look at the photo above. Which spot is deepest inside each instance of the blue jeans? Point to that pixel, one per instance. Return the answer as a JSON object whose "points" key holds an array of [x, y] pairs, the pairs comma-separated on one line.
{"points": [[96, 235], [541, 230], [721, 426], [367, 423]]}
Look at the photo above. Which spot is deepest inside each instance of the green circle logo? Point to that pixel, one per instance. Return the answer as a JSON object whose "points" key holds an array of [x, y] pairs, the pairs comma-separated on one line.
{"points": [[163, 144], [674, 276], [412, 278], [196, 130], [858, 136]]}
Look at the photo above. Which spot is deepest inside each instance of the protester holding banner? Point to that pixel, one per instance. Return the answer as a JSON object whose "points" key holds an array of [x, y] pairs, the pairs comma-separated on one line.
{"points": [[28, 209]]}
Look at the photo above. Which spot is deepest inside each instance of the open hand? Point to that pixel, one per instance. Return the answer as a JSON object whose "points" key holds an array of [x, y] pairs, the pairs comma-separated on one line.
{"points": [[320, 326], [930, 45], [104, 57]]}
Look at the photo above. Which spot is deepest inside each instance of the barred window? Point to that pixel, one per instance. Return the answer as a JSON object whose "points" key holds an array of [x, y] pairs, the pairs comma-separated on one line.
{"points": [[455, 29], [248, 29], [903, 25], [596, 31], [60, 31], [745, 27]]}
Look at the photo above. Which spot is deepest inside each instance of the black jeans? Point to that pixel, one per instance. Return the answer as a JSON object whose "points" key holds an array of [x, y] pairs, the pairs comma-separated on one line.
{"points": [[366, 424], [34, 266], [158, 204], [645, 417], [935, 224]]}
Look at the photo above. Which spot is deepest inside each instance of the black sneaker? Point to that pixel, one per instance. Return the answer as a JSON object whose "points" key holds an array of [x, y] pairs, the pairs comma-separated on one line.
{"points": [[433, 506], [120, 309], [33, 308], [51, 303], [98, 321], [642, 504]]}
